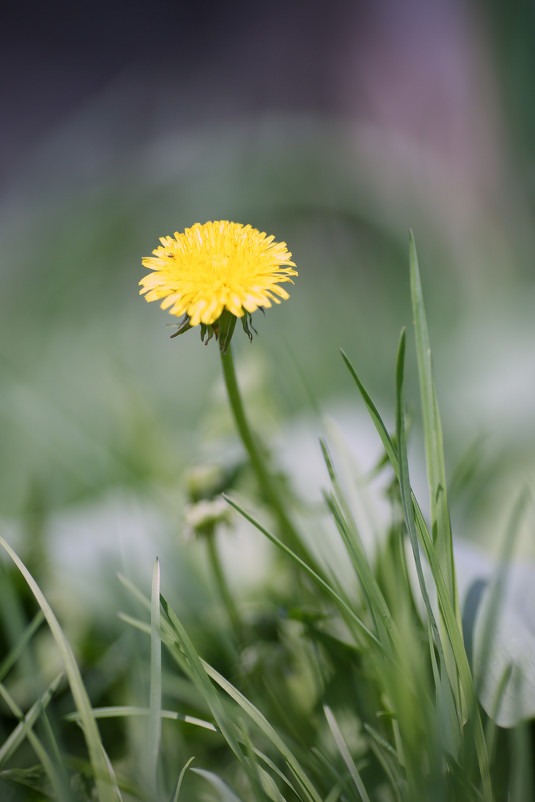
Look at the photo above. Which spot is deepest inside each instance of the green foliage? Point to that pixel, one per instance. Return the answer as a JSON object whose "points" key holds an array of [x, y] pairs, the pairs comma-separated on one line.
{"points": [[318, 687]]}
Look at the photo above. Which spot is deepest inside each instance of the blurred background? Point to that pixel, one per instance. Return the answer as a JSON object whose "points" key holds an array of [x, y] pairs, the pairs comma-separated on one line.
{"points": [[337, 126]]}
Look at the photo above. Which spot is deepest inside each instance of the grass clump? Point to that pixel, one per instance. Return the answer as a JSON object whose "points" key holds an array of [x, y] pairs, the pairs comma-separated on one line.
{"points": [[331, 687]]}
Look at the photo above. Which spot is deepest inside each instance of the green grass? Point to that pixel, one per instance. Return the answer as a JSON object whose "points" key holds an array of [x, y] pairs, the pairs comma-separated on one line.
{"points": [[312, 688]]}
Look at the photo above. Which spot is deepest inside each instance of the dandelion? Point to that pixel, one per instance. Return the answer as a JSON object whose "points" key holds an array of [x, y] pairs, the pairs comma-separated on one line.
{"points": [[214, 273]]}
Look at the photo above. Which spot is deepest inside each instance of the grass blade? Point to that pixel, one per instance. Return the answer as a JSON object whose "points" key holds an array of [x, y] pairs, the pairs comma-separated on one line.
{"points": [[451, 624], [349, 533], [226, 794], [155, 705], [344, 751], [263, 724], [11, 658], [184, 652], [13, 741], [446, 699], [342, 604], [129, 711], [434, 449], [24, 731], [180, 780], [105, 781]]}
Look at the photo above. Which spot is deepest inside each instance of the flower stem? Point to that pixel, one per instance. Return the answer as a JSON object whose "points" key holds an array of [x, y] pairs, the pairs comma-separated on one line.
{"points": [[263, 475], [224, 592]]}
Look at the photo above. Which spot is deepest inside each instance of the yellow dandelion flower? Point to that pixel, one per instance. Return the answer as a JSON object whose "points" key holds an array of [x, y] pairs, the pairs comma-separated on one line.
{"points": [[215, 267]]}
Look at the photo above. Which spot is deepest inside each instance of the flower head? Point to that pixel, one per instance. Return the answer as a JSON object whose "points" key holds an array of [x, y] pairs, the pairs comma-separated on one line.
{"points": [[217, 268]]}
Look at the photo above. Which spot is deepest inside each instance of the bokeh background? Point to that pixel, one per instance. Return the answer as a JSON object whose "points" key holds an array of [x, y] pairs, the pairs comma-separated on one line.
{"points": [[337, 126]]}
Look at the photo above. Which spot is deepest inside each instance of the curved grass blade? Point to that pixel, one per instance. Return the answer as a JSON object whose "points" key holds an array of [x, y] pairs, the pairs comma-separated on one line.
{"points": [[226, 794], [342, 604], [178, 787], [11, 658], [263, 724], [453, 734], [130, 711], [182, 649], [202, 674], [155, 705], [24, 731], [339, 507], [106, 784], [434, 449], [13, 741], [346, 755], [451, 624]]}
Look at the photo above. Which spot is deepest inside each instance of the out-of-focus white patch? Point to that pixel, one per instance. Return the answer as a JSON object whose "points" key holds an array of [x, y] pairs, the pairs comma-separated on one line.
{"points": [[89, 543]]}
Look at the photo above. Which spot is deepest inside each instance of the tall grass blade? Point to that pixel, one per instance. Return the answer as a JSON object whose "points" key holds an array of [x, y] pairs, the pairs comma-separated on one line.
{"points": [[389, 760], [181, 647], [346, 755], [446, 609], [252, 712], [264, 726], [434, 449], [386, 629], [155, 704], [445, 699], [319, 580], [106, 785]]}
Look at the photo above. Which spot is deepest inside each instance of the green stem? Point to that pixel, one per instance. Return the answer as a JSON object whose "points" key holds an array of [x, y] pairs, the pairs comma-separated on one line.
{"points": [[226, 596], [264, 477]]}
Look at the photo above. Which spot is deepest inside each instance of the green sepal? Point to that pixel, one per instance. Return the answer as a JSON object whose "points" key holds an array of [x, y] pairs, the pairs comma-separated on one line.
{"points": [[210, 330], [247, 324], [222, 328], [183, 326], [225, 329]]}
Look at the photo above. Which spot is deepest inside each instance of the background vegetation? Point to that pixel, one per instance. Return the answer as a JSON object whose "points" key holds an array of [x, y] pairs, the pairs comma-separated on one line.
{"points": [[422, 122]]}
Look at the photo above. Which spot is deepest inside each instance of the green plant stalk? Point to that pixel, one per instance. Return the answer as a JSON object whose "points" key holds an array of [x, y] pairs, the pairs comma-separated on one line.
{"points": [[263, 475], [222, 584]]}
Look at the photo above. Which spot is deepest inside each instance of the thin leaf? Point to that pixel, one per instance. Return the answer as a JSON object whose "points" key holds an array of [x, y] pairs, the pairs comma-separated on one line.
{"points": [[15, 739], [225, 791], [262, 723], [346, 755], [155, 706], [105, 781], [342, 604], [129, 711], [355, 549], [446, 609], [434, 449], [12, 656], [23, 731], [180, 780], [183, 650]]}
